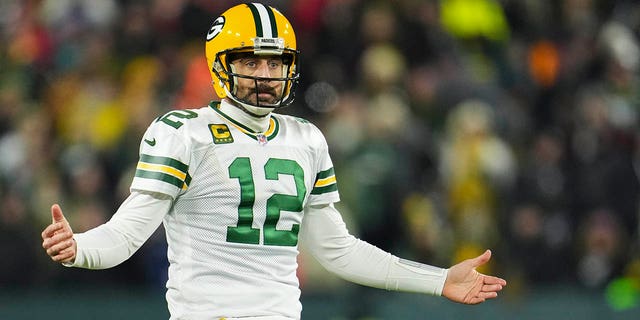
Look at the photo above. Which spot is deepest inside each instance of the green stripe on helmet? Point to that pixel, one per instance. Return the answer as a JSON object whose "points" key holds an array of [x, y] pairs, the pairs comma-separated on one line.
{"points": [[272, 20], [263, 17], [256, 19]]}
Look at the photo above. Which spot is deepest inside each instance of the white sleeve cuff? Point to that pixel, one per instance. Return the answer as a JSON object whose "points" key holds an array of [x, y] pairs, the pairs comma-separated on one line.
{"points": [[411, 276]]}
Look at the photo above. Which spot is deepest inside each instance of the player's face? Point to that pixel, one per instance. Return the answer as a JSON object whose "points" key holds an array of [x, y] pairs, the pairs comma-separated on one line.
{"points": [[264, 92]]}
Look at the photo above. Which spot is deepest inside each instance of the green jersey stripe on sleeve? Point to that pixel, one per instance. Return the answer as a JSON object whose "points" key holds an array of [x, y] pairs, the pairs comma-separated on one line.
{"points": [[160, 176], [325, 174], [164, 161], [325, 189], [164, 169], [325, 182]]}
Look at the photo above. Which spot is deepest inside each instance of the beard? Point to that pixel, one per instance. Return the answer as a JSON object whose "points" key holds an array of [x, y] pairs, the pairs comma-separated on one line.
{"points": [[253, 95]]}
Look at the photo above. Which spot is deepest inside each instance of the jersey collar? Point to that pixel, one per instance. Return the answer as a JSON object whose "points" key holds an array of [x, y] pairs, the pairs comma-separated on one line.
{"points": [[245, 123]]}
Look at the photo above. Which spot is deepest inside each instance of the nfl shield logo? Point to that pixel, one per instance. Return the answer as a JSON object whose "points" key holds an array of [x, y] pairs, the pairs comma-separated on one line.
{"points": [[262, 139]]}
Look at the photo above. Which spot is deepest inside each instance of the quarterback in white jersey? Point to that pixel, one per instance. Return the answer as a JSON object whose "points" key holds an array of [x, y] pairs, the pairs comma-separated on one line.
{"points": [[237, 185], [233, 228]]}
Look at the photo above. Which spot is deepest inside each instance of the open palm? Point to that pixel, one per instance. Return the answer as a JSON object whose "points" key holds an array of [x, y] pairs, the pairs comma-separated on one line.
{"points": [[466, 285]]}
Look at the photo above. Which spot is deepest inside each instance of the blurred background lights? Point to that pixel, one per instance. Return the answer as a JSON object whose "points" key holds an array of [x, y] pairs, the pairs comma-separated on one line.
{"points": [[321, 96]]}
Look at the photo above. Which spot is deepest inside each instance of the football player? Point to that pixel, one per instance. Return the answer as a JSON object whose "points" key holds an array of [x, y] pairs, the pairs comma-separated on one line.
{"points": [[236, 185]]}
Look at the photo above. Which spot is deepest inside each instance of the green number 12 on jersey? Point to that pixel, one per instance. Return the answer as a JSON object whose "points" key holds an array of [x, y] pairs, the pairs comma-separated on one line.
{"points": [[244, 232]]}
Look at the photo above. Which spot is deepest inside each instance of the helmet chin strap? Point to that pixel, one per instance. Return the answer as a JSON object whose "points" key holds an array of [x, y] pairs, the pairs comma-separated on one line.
{"points": [[258, 112]]}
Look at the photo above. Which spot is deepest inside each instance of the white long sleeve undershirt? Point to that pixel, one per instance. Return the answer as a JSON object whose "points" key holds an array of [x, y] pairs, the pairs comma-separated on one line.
{"points": [[328, 240], [325, 235], [112, 243]]}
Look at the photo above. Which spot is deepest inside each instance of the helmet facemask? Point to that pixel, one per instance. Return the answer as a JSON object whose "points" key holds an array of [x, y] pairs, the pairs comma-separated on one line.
{"points": [[228, 76]]}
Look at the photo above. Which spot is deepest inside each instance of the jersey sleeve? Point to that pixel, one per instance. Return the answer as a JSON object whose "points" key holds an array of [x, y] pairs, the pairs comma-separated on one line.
{"points": [[325, 188], [163, 165]]}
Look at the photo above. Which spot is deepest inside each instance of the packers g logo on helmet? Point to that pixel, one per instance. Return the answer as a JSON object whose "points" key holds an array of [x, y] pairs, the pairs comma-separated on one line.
{"points": [[251, 28], [216, 28]]}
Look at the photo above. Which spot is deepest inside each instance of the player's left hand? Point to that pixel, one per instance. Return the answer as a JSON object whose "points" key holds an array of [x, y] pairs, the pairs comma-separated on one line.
{"points": [[466, 285]]}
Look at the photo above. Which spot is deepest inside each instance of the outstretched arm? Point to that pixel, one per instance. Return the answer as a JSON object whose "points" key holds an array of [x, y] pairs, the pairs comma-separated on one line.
{"points": [[325, 235], [466, 285], [328, 240], [111, 243]]}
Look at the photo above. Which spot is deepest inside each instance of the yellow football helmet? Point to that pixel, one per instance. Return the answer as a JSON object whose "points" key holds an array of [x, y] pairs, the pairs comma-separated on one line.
{"points": [[251, 28]]}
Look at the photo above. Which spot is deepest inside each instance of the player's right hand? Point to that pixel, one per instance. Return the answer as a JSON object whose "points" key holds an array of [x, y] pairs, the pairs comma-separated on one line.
{"points": [[57, 238]]}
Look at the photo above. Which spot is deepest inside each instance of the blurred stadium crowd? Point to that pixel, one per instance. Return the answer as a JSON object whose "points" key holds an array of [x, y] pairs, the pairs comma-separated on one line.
{"points": [[454, 126]]}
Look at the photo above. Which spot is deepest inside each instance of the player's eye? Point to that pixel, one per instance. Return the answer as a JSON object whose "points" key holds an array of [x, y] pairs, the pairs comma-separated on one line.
{"points": [[250, 63], [275, 64]]}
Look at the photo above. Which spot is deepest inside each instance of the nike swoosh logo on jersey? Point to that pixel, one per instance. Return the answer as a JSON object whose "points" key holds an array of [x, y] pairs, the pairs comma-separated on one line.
{"points": [[150, 142]]}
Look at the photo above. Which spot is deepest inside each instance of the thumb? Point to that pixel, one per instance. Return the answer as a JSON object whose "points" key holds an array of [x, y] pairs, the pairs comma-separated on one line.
{"points": [[481, 259], [56, 214]]}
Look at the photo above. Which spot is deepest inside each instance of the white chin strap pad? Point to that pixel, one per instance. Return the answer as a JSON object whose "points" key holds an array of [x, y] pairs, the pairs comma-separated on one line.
{"points": [[255, 110], [259, 111]]}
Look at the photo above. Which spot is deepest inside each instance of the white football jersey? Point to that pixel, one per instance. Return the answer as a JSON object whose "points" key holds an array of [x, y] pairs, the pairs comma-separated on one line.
{"points": [[239, 200]]}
